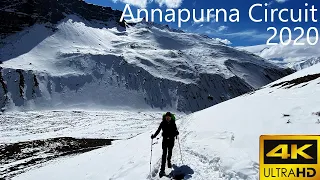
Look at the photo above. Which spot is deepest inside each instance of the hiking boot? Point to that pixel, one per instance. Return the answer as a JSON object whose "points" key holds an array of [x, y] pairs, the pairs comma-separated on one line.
{"points": [[169, 164], [161, 174]]}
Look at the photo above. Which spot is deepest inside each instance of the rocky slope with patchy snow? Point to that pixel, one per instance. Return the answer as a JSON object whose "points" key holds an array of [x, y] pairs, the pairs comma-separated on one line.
{"points": [[81, 61]]}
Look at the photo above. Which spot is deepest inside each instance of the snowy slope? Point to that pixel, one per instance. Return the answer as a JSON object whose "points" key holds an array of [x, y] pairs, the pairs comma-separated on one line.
{"points": [[22, 134], [106, 124], [220, 142], [58, 66]]}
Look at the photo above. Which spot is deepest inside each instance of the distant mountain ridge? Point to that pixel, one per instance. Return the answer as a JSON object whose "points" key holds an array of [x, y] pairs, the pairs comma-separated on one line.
{"points": [[295, 57], [305, 63]]}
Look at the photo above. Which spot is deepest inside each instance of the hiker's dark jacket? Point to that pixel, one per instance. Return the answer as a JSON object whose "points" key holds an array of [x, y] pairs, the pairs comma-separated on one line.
{"points": [[169, 129]]}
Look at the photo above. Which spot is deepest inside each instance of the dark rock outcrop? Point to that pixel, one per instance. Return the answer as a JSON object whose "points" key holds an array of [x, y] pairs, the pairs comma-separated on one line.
{"points": [[34, 153]]}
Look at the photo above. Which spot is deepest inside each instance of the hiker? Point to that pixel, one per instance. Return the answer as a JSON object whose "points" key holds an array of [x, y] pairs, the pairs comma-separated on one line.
{"points": [[169, 132]]}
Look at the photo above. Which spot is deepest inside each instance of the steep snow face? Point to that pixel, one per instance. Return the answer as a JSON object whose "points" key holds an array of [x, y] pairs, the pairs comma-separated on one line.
{"points": [[221, 142], [88, 63]]}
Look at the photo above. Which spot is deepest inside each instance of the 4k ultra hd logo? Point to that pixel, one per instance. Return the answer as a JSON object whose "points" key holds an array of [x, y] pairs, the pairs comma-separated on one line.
{"points": [[289, 157]]}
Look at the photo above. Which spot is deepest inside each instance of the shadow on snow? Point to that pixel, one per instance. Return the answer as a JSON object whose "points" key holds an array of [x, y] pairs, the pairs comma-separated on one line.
{"points": [[181, 172]]}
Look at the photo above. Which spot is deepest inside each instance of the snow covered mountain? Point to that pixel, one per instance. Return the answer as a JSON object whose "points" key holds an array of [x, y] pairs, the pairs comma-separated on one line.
{"points": [[295, 57], [306, 63], [72, 54], [221, 142]]}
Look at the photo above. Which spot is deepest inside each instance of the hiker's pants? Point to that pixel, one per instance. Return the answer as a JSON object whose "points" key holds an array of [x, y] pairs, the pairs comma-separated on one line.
{"points": [[167, 146]]}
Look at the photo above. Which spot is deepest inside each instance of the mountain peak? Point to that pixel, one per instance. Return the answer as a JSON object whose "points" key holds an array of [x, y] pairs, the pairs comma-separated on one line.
{"points": [[17, 14]]}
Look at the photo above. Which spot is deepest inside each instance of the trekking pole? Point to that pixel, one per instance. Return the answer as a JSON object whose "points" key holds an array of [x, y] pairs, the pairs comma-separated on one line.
{"points": [[151, 157], [180, 151]]}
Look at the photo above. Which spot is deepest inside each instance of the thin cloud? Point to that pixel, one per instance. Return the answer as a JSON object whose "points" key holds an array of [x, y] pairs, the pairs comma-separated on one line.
{"points": [[144, 3], [222, 28], [277, 1], [281, 1], [194, 3], [170, 3], [249, 34], [137, 3]]}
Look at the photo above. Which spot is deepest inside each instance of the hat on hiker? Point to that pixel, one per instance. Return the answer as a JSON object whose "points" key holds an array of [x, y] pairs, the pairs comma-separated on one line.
{"points": [[168, 114]]}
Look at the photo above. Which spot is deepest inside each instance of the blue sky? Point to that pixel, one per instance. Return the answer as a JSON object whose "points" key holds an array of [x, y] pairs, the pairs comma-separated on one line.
{"points": [[244, 33]]}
